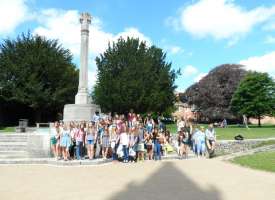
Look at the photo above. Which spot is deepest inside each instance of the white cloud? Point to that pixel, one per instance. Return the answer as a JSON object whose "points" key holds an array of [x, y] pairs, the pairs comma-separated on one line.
{"points": [[173, 49], [132, 32], [270, 26], [174, 23], [270, 39], [12, 13], [265, 63], [199, 77], [61, 25], [221, 19], [64, 25], [189, 70]]}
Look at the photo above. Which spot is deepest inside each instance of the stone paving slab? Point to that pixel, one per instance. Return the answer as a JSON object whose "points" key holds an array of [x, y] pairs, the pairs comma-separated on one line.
{"points": [[53, 161], [193, 179]]}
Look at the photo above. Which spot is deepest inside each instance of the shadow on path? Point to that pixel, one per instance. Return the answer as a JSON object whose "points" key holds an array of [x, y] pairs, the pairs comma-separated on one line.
{"points": [[168, 183]]}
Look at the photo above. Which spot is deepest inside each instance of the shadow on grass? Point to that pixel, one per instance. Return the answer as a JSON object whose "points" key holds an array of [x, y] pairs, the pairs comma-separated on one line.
{"points": [[168, 183]]}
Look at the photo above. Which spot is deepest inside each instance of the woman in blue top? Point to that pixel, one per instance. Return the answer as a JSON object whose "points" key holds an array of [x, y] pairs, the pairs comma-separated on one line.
{"points": [[65, 142]]}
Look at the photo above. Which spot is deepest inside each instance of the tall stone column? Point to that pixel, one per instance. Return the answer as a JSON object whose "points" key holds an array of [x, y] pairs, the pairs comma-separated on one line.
{"points": [[82, 96], [83, 109]]}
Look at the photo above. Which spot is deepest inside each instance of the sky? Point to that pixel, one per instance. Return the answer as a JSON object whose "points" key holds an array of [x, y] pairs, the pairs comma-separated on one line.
{"points": [[197, 35]]}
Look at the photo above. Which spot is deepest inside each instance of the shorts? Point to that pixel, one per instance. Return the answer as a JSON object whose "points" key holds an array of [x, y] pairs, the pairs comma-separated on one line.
{"points": [[53, 140], [140, 147], [185, 141], [90, 142], [149, 147]]}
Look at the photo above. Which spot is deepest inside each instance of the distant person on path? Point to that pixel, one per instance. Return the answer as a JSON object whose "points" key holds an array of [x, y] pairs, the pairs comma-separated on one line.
{"points": [[210, 137], [245, 121], [224, 123]]}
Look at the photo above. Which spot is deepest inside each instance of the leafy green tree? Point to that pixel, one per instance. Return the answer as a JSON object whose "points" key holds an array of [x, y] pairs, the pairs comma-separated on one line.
{"points": [[132, 75], [37, 72], [255, 96]]}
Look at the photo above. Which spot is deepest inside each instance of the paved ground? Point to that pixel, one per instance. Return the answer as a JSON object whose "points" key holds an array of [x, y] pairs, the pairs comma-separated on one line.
{"points": [[196, 179]]}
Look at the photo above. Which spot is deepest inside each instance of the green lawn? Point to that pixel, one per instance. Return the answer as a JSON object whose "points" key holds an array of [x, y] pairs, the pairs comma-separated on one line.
{"points": [[7, 129], [262, 161], [266, 131]]}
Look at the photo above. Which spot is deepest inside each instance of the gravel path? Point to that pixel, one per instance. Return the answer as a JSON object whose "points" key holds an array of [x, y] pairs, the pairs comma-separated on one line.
{"points": [[196, 179]]}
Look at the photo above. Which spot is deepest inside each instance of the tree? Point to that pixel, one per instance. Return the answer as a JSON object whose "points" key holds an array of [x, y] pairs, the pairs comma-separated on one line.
{"points": [[134, 76], [212, 94], [255, 96], [37, 72]]}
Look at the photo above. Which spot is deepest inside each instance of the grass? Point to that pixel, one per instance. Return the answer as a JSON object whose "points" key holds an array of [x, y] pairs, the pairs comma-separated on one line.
{"points": [[7, 129], [262, 161], [266, 131], [172, 128]]}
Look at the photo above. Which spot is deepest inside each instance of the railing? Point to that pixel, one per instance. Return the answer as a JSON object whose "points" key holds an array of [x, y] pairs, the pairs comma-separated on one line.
{"points": [[39, 124]]}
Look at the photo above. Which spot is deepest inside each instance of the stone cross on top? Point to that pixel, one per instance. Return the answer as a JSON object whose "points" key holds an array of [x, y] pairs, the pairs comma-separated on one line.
{"points": [[85, 20]]}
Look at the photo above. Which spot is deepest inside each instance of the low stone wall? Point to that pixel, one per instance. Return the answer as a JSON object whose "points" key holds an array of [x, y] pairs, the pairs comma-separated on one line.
{"points": [[38, 145], [233, 146]]}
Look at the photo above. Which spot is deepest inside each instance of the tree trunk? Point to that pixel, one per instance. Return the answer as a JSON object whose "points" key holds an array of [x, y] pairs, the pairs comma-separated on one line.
{"points": [[259, 121]]}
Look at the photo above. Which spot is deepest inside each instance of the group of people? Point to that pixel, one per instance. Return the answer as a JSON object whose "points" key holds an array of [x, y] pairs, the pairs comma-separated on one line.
{"points": [[128, 138], [196, 138]]}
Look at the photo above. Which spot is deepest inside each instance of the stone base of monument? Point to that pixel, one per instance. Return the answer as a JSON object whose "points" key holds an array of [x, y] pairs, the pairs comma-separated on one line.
{"points": [[79, 112]]}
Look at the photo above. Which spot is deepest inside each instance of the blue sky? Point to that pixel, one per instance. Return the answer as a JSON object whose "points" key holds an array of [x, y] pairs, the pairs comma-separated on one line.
{"points": [[197, 34]]}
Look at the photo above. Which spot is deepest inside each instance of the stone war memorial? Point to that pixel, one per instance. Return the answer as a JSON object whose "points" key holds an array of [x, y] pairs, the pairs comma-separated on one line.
{"points": [[83, 109]]}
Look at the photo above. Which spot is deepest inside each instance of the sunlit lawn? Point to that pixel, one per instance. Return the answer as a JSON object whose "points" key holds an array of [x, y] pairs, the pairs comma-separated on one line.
{"points": [[7, 129], [266, 131], [262, 161]]}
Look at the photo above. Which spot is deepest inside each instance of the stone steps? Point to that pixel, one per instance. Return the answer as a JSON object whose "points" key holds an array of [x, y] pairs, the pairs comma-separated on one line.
{"points": [[15, 154], [13, 140], [13, 146]]}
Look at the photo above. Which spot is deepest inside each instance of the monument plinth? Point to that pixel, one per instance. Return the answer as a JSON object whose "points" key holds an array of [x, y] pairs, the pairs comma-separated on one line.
{"points": [[82, 110]]}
